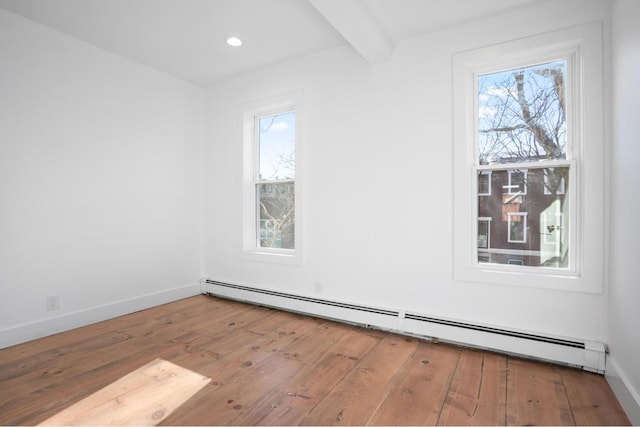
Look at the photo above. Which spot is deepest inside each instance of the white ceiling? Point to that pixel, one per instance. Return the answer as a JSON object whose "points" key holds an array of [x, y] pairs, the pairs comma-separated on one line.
{"points": [[186, 38]]}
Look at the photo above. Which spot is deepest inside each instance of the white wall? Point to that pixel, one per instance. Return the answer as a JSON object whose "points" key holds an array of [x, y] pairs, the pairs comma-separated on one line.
{"points": [[100, 182], [378, 172], [624, 282]]}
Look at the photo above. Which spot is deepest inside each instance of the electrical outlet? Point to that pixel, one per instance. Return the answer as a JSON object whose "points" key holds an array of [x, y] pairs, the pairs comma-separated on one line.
{"points": [[317, 288], [53, 303]]}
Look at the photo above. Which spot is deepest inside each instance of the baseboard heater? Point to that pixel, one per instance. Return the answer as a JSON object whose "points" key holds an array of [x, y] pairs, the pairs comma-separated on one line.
{"points": [[588, 355]]}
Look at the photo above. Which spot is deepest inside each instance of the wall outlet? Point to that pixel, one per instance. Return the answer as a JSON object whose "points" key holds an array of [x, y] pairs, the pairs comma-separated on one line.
{"points": [[53, 303], [317, 288]]}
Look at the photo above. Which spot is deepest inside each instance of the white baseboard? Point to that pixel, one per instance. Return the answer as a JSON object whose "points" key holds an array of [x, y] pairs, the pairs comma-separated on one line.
{"points": [[41, 328], [626, 394]]}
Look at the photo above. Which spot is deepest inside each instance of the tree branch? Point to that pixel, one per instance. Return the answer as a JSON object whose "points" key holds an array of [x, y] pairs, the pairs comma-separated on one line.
{"points": [[504, 129]]}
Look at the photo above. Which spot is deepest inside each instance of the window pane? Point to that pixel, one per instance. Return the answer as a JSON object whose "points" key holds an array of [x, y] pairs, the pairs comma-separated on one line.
{"points": [[528, 228], [517, 182], [553, 182], [521, 114], [483, 234], [517, 226], [484, 183], [277, 146], [276, 209]]}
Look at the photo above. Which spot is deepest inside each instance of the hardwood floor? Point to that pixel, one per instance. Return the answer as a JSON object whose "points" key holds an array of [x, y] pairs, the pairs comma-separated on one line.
{"points": [[275, 368]]}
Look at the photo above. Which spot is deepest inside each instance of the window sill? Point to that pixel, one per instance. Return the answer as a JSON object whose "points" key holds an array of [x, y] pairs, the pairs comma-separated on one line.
{"points": [[277, 257]]}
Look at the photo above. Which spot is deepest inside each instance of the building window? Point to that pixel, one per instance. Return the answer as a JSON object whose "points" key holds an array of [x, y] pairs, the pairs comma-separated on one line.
{"points": [[484, 233], [271, 195], [517, 183], [525, 114], [484, 183], [517, 227]]}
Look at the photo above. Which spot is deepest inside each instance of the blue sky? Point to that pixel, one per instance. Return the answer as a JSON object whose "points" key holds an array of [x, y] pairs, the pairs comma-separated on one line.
{"points": [[277, 146]]}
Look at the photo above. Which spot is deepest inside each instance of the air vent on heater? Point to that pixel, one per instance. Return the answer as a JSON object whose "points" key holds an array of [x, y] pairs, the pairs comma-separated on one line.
{"points": [[505, 332]]}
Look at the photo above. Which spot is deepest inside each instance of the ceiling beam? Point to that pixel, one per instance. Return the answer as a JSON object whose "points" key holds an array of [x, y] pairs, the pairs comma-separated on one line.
{"points": [[355, 22]]}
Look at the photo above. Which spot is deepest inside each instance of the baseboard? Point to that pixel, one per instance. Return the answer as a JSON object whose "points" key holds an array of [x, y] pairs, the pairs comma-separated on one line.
{"points": [[626, 394], [53, 325]]}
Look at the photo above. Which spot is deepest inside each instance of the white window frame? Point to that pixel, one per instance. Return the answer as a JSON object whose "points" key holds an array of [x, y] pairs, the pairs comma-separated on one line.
{"points": [[251, 248], [523, 216], [582, 47]]}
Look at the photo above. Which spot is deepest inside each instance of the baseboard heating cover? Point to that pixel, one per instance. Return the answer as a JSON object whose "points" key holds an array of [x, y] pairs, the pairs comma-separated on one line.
{"points": [[588, 355]]}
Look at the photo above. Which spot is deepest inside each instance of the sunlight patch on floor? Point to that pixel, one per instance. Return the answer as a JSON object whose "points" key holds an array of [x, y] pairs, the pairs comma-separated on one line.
{"points": [[143, 397]]}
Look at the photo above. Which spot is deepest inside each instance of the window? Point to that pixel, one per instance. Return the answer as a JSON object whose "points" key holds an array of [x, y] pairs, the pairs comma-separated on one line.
{"points": [[484, 183], [484, 231], [271, 170], [525, 114], [522, 121], [517, 182], [275, 172], [517, 227]]}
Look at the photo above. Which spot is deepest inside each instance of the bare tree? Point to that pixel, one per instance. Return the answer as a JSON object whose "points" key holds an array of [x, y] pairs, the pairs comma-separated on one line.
{"points": [[277, 215], [522, 118]]}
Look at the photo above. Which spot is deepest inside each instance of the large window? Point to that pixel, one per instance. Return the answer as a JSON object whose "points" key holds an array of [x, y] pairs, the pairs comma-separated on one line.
{"points": [[522, 120], [528, 123], [271, 208]]}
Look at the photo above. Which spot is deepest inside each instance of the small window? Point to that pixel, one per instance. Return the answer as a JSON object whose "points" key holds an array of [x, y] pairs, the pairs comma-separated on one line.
{"points": [[484, 231], [517, 227], [517, 182], [484, 183]]}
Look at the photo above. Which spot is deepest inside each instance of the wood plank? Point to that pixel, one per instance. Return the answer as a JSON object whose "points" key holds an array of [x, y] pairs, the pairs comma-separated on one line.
{"points": [[251, 362], [358, 395], [146, 396], [536, 395], [477, 395], [96, 362], [232, 353], [38, 355], [591, 401], [417, 396], [72, 360], [43, 402], [223, 401], [290, 403]]}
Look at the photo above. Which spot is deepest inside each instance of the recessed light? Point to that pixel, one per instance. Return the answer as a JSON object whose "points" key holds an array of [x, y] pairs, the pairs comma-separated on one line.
{"points": [[234, 41]]}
